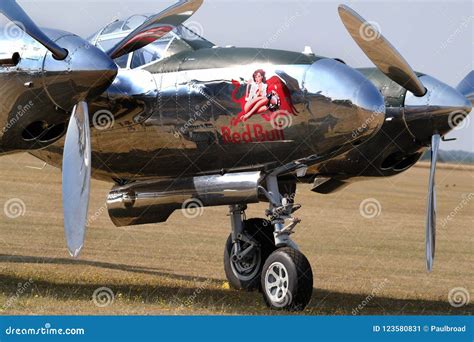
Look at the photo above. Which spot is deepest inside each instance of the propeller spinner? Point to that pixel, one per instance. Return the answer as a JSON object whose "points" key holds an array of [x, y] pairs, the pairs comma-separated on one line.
{"points": [[71, 78], [82, 72]]}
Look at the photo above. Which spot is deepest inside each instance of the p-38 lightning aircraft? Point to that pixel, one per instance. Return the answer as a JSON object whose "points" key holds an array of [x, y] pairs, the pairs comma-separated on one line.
{"points": [[191, 124]]}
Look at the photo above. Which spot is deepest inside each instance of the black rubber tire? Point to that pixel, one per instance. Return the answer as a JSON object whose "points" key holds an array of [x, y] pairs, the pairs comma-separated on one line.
{"points": [[262, 231], [300, 279]]}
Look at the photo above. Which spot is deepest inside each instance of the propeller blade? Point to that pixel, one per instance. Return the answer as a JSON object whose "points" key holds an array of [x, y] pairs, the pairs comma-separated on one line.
{"points": [[17, 15], [156, 27], [431, 208], [379, 50], [466, 87], [76, 178]]}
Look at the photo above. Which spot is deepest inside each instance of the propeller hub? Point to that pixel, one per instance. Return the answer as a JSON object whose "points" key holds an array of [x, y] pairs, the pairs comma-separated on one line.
{"points": [[84, 74], [439, 111]]}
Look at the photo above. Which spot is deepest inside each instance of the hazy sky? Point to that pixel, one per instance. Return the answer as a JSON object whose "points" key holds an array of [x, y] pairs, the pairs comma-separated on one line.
{"points": [[434, 37]]}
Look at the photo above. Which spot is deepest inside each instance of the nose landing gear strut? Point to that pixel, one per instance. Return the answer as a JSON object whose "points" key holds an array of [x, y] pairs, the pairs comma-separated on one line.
{"points": [[260, 254]]}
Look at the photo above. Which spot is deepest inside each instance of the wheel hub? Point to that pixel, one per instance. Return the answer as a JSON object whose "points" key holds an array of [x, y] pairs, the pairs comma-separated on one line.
{"points": [[276, 284], [248, 267]]}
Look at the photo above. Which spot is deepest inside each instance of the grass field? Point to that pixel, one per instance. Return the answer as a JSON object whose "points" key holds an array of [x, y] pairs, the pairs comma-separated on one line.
{"points": [[361, 265]]}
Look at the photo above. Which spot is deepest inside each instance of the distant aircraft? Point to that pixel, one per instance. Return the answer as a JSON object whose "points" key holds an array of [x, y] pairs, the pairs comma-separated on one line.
{"points": [[176, 122]]}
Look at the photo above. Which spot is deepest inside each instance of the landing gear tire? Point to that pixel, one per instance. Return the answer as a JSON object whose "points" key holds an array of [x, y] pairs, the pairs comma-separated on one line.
{"points": [[287, 280], [245, 274]]}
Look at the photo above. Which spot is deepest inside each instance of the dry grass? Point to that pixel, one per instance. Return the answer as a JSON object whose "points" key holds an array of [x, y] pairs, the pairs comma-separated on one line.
{"points": [[176, 267]]}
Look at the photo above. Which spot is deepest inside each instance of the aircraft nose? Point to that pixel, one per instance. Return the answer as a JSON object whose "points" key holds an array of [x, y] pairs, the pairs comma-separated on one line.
{"points": [[342, 92], [85, 73], [440, 110]]}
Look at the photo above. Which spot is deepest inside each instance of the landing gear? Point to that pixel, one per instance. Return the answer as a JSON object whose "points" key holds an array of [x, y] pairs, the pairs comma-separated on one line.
{"points": [[287, 280], [245, 254], [260, 253]]}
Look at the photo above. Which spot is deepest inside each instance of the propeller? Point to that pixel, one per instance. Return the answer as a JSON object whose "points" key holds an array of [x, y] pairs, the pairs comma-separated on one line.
{"points": [[91, 72], [380, 51], [76, 178], [431, 206], [428, 109], [156, 27], [17, 15], [466, 87]]}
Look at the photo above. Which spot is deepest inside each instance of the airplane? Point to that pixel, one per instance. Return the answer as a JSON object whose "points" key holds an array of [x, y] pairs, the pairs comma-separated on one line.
{"points": [[175, 122]]}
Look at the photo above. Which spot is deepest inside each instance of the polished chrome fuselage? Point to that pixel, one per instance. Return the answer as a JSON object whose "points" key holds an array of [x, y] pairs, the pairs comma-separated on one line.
{"points": [[177, 117]]}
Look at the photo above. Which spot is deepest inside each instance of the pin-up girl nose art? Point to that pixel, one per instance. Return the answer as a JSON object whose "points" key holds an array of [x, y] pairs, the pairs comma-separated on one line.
{"points": [[263, 97]]}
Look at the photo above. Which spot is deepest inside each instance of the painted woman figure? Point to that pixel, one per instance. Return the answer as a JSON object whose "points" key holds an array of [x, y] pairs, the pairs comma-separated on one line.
{"points": [[256, 95]]}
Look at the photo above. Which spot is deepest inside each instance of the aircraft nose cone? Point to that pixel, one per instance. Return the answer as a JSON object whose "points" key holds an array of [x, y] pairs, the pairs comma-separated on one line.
{"points": [[353, 102], [85, 73], [440, 110]]}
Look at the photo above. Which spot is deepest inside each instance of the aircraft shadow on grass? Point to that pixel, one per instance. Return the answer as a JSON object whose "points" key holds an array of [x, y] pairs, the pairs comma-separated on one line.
{"points": [[202, 297]]}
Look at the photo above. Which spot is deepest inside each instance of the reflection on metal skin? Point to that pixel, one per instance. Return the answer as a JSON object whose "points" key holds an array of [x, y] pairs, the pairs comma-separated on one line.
{"points": [[40, 91], [86, 71], [155, 200], [76, 178], [353, 101], [192, 111], [432, 113]]}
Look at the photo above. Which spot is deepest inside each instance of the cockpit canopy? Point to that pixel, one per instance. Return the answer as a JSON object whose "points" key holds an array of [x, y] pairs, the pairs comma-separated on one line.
{"points": [[179, 40]]}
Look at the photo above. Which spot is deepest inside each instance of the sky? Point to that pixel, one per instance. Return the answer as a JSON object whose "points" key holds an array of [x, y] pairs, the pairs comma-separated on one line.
{"points": [[435, 37]]}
